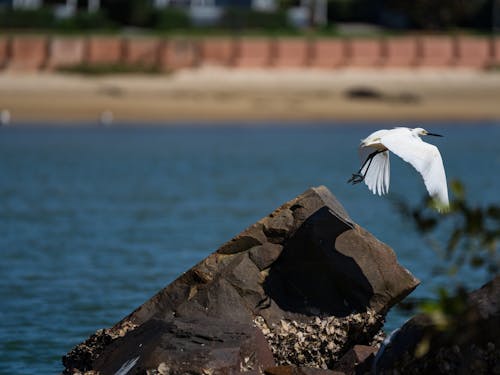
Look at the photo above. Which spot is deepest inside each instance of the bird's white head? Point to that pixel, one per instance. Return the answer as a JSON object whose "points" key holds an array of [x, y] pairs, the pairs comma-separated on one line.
{"points": [[422, 131]]}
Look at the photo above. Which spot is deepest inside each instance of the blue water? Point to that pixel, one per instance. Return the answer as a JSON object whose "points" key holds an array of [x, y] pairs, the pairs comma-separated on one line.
{"points": [[94, 221]]}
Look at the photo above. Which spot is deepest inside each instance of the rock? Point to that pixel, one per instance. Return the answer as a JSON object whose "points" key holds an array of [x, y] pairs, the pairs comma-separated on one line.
{"points": [[292, 370], [358, 360], [306, 266], [469, 343], [187, 346], [355, 270], [319, 342]]}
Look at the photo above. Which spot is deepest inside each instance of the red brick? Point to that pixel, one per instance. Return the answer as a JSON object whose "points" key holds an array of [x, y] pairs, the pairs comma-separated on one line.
{"points": [[179, 53], [365, 53], [291, 53], [400, 52], [142, 51], [218, 51], [496, 52], [436, 52], [254, 53], [328, 53], [104, 50], [473, 52], [4, 43], [66, 52], [29, 53]]}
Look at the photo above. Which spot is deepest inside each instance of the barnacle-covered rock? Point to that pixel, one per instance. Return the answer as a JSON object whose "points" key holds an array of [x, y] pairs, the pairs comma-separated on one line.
{"points": [[319, 282], [319, 341]]}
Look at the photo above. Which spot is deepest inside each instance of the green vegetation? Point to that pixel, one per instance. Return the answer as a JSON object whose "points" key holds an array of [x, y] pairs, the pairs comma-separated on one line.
{"points": [[171, 19], [466, 237], [44, 19], [392, 15], [85, 21], [493, 68], [106, 69], [35, 19], [243, 19], [472, 232], [444, 14], [152, 21]]}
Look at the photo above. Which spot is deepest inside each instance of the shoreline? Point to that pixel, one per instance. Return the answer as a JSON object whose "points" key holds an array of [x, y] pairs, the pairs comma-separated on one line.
{"points": [[221, 96]]}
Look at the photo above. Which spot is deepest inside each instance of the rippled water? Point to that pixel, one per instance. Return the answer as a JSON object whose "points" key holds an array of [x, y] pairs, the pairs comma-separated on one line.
{"points": [[94, 221]]}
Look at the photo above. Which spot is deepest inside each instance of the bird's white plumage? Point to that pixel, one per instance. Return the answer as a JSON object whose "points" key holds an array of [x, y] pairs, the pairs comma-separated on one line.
{"points": [[406, 144], [377, 172]]}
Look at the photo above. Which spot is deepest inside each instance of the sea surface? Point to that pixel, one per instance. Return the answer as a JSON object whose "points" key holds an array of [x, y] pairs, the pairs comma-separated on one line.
{"points": [[94, 221]]}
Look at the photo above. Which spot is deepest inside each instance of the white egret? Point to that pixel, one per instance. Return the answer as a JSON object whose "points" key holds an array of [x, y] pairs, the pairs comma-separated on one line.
{"points": [[407, 144]]}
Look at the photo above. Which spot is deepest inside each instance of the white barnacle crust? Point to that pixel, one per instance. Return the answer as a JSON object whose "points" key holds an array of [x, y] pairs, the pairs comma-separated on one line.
{"points": [[319, 341]]}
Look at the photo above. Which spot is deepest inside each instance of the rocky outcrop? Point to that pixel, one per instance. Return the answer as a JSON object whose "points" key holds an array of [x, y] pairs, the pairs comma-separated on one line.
{"points": [[301, 286], [358, 360], [183, 345], [467, 342]]}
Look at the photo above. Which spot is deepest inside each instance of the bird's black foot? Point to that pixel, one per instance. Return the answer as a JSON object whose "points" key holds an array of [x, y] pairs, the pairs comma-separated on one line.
{"points": [[356, 178]]}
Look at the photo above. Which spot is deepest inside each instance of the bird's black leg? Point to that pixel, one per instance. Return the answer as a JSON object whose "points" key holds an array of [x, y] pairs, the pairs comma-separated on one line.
{"points": [[356, 178]]}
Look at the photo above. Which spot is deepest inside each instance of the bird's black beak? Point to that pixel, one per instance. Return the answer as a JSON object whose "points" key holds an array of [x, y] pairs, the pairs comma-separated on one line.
{"points": [[434, 134]]}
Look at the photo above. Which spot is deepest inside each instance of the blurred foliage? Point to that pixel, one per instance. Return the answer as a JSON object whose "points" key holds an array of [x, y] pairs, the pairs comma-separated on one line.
{"points": [[448, 312], [473, 231], [241, 18], [106, 69], [445, 15], [471, 237], [35, 19], [44, 18], [141, 13], [354, 11], [445, 306], [171, 19], [493, 68], [138, 13], [85, 21]]}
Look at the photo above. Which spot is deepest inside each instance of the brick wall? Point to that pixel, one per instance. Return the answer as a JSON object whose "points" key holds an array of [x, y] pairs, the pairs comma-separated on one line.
{"points": [[65, 51], [27, 53], [4, 51], [31, 53], [142, 51]]}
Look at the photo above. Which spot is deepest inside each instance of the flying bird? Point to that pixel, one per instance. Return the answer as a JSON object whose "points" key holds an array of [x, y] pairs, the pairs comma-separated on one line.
{"points": [[407, 144]]}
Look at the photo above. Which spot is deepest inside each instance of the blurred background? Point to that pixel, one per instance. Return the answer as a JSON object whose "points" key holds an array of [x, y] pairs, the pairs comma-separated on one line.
{"points": [[287, 16], [138, 136]]}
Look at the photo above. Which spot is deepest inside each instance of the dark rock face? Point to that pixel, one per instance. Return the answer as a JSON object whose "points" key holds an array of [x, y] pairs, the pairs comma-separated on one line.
{"points": [[358, 360], [305, 261], [189, 345], [469, 344], [293, 370]]}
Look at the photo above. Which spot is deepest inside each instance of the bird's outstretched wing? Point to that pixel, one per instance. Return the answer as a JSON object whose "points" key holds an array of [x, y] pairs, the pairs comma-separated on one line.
{"points": [[377, 172], [426, 159]]}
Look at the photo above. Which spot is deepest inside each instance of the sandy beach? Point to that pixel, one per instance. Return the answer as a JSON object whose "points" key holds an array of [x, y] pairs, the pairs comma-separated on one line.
{"points": [[227, 95]]}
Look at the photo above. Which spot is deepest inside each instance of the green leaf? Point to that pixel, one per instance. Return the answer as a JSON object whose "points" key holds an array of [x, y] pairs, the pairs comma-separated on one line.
{"points": [[458, 189], [476, 261], [493, 212], [455, 237]]}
